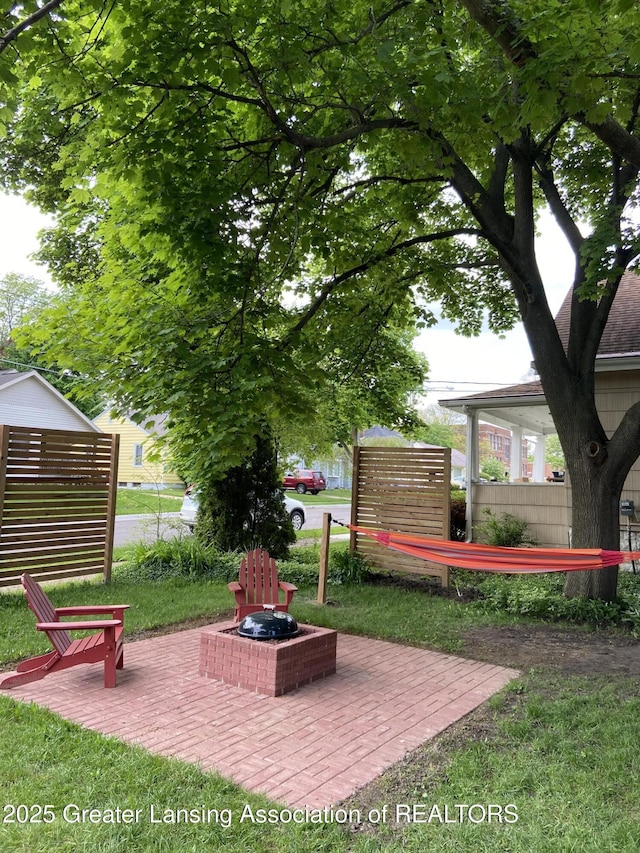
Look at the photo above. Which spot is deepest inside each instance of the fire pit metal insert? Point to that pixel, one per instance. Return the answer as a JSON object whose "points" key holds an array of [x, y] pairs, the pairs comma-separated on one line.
{"points": [[268, 624]]}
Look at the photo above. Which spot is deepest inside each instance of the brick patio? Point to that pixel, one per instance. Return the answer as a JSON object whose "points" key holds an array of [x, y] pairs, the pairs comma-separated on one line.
{"points": [[313, 746]]}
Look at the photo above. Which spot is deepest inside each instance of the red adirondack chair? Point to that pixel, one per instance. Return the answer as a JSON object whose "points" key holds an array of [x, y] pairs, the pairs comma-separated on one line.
{"points": [[258, 585], [106, 645]]}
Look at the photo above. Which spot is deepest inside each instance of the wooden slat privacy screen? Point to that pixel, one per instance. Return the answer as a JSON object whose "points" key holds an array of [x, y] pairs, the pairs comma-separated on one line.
{"points": [[405, 489], [57, 503]]}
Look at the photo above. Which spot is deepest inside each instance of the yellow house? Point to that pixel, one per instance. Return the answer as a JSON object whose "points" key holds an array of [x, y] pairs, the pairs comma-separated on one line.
{"points": [[141, 463]]}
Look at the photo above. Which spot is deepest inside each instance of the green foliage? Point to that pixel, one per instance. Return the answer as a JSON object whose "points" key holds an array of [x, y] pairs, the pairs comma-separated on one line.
{"points": [[492, 469], [506, 529], [182, 557], [458, 527], [244, 509], [553, 453], [440, 427], [187, 559], [21, 296], [540, 597], [23, 299], [346, 567]]}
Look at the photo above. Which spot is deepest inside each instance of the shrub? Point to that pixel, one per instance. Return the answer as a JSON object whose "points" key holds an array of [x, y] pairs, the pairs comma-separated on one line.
{"points": [[458, 526], [540, 597], [505, 530], [244, 509], [183, 557], [346, 567]]}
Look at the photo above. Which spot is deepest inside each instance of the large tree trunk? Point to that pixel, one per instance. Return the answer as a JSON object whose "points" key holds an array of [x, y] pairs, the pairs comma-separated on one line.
{"points": [[595, 524], [597, 464]]}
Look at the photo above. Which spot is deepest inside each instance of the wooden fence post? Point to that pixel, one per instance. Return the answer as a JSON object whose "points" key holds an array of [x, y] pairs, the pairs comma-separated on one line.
{"points": [[355, 497], [111, 507], [324, 558]]}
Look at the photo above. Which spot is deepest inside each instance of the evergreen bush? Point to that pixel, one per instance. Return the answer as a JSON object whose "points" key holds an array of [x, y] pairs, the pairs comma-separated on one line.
{"points": [[245, 509]]}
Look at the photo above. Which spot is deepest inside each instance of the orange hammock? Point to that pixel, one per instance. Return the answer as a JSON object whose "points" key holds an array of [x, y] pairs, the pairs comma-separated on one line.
{"points": [[489, 558]]}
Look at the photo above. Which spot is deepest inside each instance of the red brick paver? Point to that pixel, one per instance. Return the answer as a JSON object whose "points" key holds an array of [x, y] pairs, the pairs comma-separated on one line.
{"points": [[313, 747]]}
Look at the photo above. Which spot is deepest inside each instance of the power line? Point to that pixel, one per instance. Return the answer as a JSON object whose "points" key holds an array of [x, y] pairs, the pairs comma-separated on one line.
{"points": [[40, 369]]}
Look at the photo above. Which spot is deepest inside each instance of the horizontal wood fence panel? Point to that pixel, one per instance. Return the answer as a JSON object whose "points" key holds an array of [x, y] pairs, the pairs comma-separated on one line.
{"points": [[57, 502], [33, 562], [20, 537], [406, 490]]}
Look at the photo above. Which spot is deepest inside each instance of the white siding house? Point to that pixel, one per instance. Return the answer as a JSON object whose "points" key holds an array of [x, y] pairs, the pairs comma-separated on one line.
{"points": [[28, 400]]}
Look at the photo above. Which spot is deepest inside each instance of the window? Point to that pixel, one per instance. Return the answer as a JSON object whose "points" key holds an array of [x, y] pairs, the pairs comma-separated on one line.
{"points": [[138, 452]]}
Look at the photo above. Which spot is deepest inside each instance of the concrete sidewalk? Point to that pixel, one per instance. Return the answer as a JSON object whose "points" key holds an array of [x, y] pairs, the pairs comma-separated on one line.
{"points": [[314, 746]]}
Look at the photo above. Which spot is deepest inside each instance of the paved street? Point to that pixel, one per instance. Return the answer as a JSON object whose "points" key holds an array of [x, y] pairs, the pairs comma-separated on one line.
{"points": [[136, 528], [341, 512]]}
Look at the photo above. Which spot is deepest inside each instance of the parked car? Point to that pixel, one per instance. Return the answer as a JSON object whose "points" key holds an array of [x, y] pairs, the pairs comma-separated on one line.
{"points": [[304, 480], [189, 509]]}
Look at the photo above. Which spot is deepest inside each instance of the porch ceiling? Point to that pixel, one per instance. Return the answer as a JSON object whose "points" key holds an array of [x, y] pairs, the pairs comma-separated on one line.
{"points": [[521, 406]]}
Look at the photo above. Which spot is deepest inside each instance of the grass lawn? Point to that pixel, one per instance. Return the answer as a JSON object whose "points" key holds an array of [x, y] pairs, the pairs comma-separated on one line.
{"points": [[558, 748], [147, 501]]}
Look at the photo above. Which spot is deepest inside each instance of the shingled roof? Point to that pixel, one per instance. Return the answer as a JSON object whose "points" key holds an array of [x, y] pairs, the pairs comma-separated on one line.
{"points": [[621, 336]]}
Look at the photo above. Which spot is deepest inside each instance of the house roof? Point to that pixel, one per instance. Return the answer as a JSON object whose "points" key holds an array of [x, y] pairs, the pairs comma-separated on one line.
{"points": [[458, 459], [532, 390], [380, 432], [621, 337], [524, 405], [11, 378]]}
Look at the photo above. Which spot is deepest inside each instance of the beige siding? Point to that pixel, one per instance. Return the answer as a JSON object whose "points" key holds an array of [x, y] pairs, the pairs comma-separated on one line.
{"points": [[545, 507], [615, 393], [150, 473]]}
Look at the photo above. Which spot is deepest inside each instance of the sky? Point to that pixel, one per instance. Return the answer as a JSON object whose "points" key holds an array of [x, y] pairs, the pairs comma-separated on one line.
{"points": [[457, 365], [19, 226]]}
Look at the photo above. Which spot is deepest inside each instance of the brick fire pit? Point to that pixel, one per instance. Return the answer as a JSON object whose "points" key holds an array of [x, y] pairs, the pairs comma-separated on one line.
{"points": [[267, 666]]}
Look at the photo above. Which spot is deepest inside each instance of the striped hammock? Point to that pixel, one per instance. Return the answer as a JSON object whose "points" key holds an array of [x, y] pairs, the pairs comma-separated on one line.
{"points": [[490, 558]]}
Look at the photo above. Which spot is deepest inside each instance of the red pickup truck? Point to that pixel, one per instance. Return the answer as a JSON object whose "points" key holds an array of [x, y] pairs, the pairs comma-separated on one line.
{"points": [[305, 481]]}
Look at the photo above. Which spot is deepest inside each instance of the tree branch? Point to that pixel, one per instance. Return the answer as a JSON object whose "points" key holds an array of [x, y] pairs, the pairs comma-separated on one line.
{"points": [[624, 445], [501, 23], [29, 21], [333, 283]]}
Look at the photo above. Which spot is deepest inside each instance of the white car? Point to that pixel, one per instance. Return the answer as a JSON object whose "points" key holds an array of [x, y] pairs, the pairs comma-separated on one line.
{"points": [[189, 510]]}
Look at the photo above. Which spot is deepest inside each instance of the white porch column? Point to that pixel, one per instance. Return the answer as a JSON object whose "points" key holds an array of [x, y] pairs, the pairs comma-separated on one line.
{"points": [[473, 465], [538, 459], [473, 454], [515, 469]]}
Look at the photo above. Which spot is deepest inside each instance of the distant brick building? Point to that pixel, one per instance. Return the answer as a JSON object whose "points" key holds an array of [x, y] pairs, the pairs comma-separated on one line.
{"points": [[498, 441]]}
